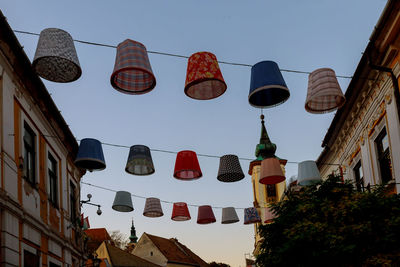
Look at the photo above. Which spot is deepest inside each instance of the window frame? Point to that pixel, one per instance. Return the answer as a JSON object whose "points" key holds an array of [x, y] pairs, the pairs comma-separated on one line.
{"points": [[73, 202], [53, 179], [29, 155], [382, 155], [358, 179]]}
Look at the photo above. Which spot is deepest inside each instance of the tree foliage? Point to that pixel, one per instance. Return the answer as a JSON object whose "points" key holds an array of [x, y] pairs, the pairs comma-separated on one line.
{"points": [[119, 239], [331, 224]]}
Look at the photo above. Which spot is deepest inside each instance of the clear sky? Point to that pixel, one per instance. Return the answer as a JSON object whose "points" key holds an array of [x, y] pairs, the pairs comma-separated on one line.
{"points": [[299, 35]]}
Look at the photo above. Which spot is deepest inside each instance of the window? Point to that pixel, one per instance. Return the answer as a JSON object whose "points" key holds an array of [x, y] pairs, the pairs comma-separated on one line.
{"points": [[52, 170], [359, 177], [54, 265], [384, 161], [30, 259], [29, 155], [271, 190], [72, 201]]}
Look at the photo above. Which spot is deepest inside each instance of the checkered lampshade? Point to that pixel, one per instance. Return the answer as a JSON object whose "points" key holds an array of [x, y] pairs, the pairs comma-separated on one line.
{"points": [[180, 212], [55, 57], [122, 202], [90, 155], [251, 216], [187, 166], [132, 71], [203, 77], [139, 161], [271, 171], [229, 215], [230, 169], [205, 215], [152, 208], [324, 93]]}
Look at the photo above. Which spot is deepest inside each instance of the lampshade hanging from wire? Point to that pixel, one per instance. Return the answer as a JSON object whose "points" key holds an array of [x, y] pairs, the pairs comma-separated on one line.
{"points": [[267, 86], [122, 202], [308, 173], [251, 216], [271, 171], [324, 93], [139, 161], [269, 215], [229, 215], [230, 169], [180, 212], [187, 166], [132, 70], [152, 208], [205, 215], [203, 77], [90, 155], [55, 57]]}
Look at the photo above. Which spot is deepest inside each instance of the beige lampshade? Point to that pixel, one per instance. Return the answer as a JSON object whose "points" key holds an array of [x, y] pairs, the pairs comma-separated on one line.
{"points": [[269, 215], [271, 171], [229, 215]]}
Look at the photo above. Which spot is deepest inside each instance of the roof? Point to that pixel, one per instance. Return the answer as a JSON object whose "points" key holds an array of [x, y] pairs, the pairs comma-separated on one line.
{"points": [[96, 237], [118, 257], [176, 252]]}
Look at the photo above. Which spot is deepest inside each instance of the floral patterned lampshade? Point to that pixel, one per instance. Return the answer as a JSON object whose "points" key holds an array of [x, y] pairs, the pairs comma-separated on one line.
{"points": [[271, 171], [324, 93], [187, 166], [203, 77], [180, 212], [132, 71], [230, 169], [251, 216], [139, 161], [122, 202], [229, 215], [55, 57], [152, 208], [90, 155], [205, 215]]}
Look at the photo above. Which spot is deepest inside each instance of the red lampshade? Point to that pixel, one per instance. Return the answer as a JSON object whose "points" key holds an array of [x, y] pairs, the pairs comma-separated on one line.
{"points": [[203, 77], [205, 215], [271, 171], [187, 166], [180, 212]]}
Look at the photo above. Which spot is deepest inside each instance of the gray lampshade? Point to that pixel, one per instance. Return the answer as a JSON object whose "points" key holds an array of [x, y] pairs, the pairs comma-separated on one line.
{"points": [[122, 202], [55, 57], [139, 161], [229, 215], [230, 169], [308, 173]]}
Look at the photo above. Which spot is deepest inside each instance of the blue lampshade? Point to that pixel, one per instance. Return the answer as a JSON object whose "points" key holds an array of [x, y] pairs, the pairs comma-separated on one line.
{"points": [[90, 155], [308, 173], [251, 215], [267, 86]]}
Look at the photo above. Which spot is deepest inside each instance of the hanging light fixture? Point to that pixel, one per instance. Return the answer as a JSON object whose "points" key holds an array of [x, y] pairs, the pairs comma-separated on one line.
{"points": [[139, 161], [308, 173], [324, 93], [229, 215], [269, 215], [251, 216], [90, 155], [271, 171], [55, 57], [187, 166], [132, 71], [267, 86], [205, 215], [203, 77], [122, 202], [180, 212], [230, 169], [152, 208]]}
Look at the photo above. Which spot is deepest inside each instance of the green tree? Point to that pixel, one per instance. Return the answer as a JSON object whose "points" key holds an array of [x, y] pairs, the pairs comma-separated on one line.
{"points": [[331, 224]]}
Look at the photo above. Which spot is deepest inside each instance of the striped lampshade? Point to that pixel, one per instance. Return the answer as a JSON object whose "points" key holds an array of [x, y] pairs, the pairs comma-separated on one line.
{"points": [[152, 208]]}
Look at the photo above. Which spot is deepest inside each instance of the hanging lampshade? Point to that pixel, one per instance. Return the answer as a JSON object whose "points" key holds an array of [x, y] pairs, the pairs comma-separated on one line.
{"points": [[187, 166], [324, 93], [132, 71], [203, 77], [152, 208], [308, 173], [267, 86], [229, 169], [122, 202], [139, 161], [90, 155], [205, 215], [251, 216], [271, 171], [269, 215], [229, 215], [180, 212], [55, 57]]}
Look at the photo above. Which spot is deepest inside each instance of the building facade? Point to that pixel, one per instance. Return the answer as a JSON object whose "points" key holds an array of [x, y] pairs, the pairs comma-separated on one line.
{"points": [[39, 183], [363, 140]]}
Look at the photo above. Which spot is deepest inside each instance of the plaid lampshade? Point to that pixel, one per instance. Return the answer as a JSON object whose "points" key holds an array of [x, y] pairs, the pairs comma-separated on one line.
{"points": [[187, 166], [230, 169], [251, 216], [267, 86], [132, 71], [229, 215], [180, 212], [205, 215], [269, 215], [203, 77], [55, 57], [90, 155], [152, 208], [139, 161], [271, 171], [324, 93], [308, 173], [122, 202]]}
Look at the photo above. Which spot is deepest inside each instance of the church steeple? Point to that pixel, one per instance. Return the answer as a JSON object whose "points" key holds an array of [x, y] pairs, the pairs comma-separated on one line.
{"points": [[265, 149], [133, 236]]}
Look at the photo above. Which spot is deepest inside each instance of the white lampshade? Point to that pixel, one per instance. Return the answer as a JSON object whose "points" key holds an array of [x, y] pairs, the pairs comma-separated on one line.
{"points": [[308, 173]]}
